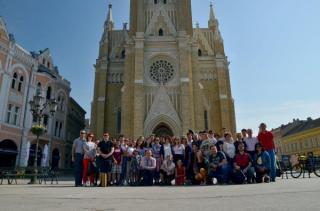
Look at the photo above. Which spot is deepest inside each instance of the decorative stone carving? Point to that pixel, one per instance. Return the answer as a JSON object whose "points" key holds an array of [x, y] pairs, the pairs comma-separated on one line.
{"points": [[161, 72]]}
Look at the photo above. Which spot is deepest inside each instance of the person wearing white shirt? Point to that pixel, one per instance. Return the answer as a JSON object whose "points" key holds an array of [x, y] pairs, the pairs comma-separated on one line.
{"points": [[251, 141], [228, 147]]}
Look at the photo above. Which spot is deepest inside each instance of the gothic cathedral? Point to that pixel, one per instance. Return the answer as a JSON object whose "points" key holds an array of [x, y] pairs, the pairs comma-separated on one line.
{"points": [[161, 76]]}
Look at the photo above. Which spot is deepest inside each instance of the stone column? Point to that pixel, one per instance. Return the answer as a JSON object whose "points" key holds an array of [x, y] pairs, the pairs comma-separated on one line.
{"points": [[127, 93], [139, 96], [186, 77], [226, 101], [100, 100]]}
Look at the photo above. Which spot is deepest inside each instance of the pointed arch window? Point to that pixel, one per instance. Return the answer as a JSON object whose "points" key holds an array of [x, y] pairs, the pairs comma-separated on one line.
{"points": [[14, 81], [160, 32], [20, 84]]}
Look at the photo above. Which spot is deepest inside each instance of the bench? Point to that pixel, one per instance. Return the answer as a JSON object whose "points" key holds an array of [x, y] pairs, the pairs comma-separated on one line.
{"points": [[43, 175]]}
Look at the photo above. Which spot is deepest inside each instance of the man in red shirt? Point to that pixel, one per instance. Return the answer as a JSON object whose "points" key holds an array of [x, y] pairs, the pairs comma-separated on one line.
{"points": [[242, 166], [266, 140]]}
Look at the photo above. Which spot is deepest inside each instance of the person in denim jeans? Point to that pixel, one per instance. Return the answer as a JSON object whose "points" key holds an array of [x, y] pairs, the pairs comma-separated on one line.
{"points": [[262, 164], [77, 157], [218, 165], [266, 140]]}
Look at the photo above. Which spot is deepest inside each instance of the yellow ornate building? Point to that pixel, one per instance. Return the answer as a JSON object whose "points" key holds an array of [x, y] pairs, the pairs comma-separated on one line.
{"points": [[162, 75], [299, 137]]}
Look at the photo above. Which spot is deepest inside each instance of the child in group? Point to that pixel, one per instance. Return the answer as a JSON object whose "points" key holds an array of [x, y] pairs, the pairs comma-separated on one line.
{"points": [[135, 168], [116, 166], [180, 173], [156, 148]]}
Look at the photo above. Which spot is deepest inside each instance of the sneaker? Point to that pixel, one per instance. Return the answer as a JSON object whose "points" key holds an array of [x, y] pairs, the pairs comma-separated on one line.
{"points": [[214, 181]]}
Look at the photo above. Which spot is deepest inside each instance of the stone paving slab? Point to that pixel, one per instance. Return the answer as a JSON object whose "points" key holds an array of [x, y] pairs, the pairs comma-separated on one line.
{"points": [[291, 194]]}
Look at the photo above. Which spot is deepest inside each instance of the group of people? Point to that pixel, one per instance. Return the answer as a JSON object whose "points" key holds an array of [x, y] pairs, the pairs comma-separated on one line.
{"points": [[202, 158]]}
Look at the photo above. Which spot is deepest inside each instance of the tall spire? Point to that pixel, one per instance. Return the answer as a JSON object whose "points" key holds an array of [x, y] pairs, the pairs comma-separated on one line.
{"points": [[212, 16], [109, 22]]}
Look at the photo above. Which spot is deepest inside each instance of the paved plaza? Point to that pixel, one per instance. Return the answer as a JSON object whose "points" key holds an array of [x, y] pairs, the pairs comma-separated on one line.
{"points": [[285, 194]]}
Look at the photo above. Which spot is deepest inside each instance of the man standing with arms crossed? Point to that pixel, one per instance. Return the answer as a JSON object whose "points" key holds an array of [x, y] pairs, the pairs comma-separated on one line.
{"points": [[266, 140]]}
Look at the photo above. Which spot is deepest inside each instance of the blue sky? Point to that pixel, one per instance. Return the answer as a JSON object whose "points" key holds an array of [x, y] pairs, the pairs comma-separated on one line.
{"points": [[273, 47]]}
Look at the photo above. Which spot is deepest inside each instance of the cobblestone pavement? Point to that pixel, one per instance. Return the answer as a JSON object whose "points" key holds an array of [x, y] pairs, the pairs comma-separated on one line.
{"points": [[285, 194]]}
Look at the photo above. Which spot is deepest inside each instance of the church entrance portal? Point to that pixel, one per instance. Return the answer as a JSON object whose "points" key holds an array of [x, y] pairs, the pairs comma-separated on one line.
{"points": [[163, 130]]}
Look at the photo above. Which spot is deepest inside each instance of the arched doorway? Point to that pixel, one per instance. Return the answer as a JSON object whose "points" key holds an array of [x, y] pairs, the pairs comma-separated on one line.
{"points": [[163, 130], [8, 153], [32, 154]]}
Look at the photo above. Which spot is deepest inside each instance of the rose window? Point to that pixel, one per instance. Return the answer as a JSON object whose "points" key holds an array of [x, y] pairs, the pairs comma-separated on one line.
{"points": [[161, 72]]}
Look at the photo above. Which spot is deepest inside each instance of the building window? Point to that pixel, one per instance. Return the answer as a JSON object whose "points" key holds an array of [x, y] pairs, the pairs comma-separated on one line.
{"points": [[164, 1], [43, 61], [62, 104], [60, 130], [56, 129], [155, 1], [199, 52], [9, 111], [119, 121], [161, 72], [38, 90], [16, 116], [160, 32], [123, 54], [45, 120], [20, 84], [14, 81], [48, 96], [205, 116]]}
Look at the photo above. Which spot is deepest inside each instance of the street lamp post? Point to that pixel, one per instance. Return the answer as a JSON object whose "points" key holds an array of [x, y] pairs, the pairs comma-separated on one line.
{"points": [[39, 109]]}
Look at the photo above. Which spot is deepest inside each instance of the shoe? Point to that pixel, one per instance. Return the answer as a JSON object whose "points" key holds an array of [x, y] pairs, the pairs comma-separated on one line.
{"points": [[266, 179]]}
